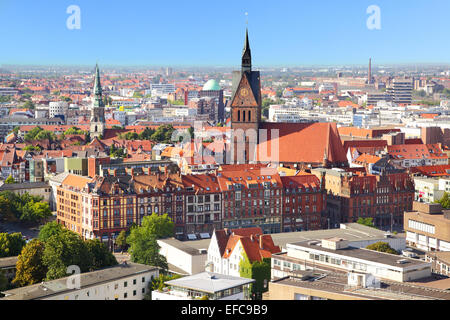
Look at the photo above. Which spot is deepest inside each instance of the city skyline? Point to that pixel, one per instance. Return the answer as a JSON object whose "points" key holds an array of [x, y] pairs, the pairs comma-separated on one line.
{"points": [[305, 35]]}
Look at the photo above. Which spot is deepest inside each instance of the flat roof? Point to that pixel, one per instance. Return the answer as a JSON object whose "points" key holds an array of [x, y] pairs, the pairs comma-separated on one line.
{"points": [[8, 262], [443, 256], [366, 254], [209, 282], [88, 279], [183, 246], [352, 232], [24, 185], [337, 282]]}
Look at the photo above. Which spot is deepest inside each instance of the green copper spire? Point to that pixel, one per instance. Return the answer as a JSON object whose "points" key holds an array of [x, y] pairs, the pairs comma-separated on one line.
{"points": [[97, 85], [98, 101]]}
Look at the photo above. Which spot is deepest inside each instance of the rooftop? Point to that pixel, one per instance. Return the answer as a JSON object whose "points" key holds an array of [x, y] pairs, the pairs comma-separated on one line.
{"points": [[89, 279], [8, 262], [337, 282], [183, 246], [23, 185], [209, 282], [365, 255], [348, 231]]}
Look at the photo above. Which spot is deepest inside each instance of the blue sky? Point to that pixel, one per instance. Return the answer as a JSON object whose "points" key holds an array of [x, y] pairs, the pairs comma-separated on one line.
{"points": [[211, 33]]}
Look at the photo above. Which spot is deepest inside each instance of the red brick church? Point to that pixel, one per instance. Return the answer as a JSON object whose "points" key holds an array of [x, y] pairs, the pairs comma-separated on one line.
{"points": [[297, 145]]}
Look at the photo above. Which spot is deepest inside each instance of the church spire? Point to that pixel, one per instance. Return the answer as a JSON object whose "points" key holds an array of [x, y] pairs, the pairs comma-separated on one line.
{"points": [[246, 55], [98, 101]]}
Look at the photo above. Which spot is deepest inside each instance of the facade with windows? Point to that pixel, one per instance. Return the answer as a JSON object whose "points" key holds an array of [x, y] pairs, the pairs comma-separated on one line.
{"points": [[128, 281], [336, 254], [214, 286], [427, 227]]}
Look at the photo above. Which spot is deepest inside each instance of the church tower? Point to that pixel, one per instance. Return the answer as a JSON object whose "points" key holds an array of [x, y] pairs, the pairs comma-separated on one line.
{"points": [[98, 108], [246, 101]]}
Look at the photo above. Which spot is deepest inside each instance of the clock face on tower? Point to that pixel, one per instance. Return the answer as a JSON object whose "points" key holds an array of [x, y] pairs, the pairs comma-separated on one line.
{"points": [[244, 92]]}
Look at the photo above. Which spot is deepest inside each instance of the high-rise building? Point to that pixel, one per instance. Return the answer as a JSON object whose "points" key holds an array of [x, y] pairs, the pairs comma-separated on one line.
{"points": [[401, 91], [98, 108]]}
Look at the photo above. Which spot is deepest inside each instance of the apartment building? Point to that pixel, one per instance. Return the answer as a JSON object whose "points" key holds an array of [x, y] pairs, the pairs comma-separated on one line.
{"points": [[401, 91], [252, 197], [353, 194], [336, 254], [96, 208], [414, 155], [126, 281], [428, 189], [203, 203], [427, 227], [304, 203]]}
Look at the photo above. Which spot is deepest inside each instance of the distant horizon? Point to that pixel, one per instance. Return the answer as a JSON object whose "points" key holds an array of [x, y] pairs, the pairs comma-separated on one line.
{"points": [[109, 65], [288, 33]]}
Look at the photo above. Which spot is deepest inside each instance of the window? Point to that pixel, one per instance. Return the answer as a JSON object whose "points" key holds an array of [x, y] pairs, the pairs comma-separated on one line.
{"points": [[134, 281], [125, 295], [143, 279], [134, 292], [125, 284]]}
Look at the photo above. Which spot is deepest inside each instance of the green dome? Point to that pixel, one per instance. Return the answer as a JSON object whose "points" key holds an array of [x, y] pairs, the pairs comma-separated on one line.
{"points": [[211, 85]]}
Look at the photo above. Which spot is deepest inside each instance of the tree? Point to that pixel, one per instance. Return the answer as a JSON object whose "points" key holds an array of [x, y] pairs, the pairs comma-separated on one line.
{"points": [[35, 212], [101, 256], [74, 130], [50, 229], [121, 239], [3, 282], [137, 94], [7, 212], [445, 201], [366, 221], [159, 283], [160, 226], [28, 105], [11, 244], [32, 148], [144, 248], [30, 135], [10, 179], [381, 247], [63, 250], [30, 268]]}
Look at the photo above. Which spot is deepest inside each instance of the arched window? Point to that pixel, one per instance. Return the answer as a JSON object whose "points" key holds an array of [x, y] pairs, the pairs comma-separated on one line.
{"points": [[249, 116], [243, 115], [239, 115]]}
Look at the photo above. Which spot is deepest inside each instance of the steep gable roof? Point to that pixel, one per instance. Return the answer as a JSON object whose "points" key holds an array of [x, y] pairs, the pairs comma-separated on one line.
{"points": [[302, 142]]}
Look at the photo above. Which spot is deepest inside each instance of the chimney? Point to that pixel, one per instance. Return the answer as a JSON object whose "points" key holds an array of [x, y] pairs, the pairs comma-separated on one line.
{"points": [[261, 241], [251, 237]]}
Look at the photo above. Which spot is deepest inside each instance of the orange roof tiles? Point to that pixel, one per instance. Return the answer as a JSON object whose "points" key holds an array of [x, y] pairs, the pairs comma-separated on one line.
{"points": [[75, 181], [416, 151], [303, 142]]}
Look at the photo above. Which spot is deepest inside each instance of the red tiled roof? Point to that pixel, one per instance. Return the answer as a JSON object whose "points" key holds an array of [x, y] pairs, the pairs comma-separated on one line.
{"points": [[256, 245], [417, 151], [363, 146], [303, 142], [432, 171]]}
